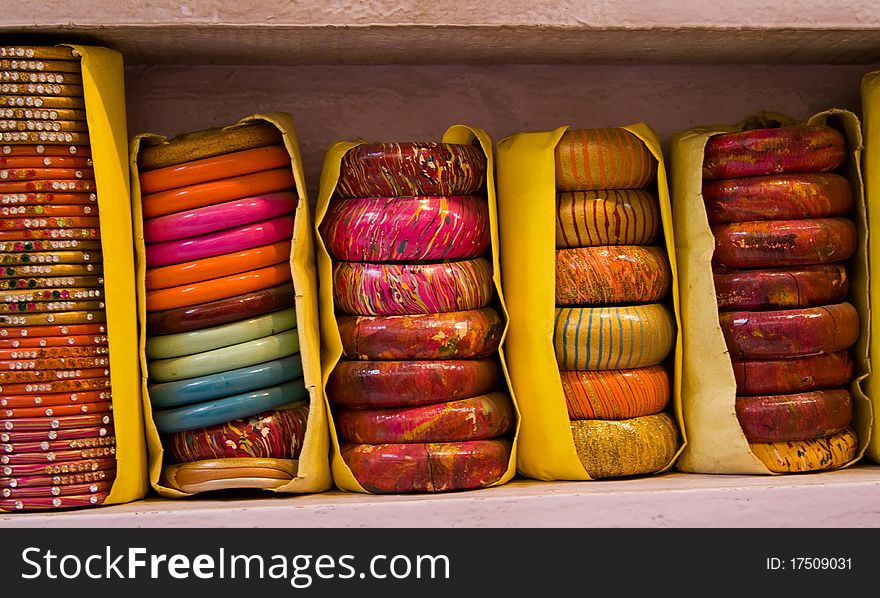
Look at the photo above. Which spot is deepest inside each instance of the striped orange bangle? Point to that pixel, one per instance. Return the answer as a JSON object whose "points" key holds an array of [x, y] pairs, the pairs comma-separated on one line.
{"points": [[607, 217], [611, 158], [615, 394]]}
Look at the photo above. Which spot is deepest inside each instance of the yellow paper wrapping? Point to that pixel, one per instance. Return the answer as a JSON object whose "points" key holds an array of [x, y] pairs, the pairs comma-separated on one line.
{"points": [[312, 469], [716, 443], [331, 342], [527, 215]]}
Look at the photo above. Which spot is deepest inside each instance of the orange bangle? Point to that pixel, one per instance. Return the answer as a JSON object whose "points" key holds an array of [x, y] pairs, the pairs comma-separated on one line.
{"points": [[29, 234], [44, 161], [216, 167], [212, 192], [217, 266], [218, 288]]}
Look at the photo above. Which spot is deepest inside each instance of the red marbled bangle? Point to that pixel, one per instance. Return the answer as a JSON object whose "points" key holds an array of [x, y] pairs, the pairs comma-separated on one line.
{"points": [[611, 274], [775, 243], [777, 197], [791, 417], [364, 288], [431, 467], [615, 394], [381, 229], [781, 288], [755, 152], [611, 158], [475, 418], [411, 168], [792, 374], [451, 335], [383, 384], [790, 332]]}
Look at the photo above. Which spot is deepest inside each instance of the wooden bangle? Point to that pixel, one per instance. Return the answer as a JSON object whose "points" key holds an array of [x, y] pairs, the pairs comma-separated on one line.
{"points": [[52, 353], [207, 339], [363, 288], [44, 137], [44, 161], [217, 266], [452, 335], [615, 394], [611, 274], [791, 417], [755, 152], [55, 411], [53, 341], [411, 169], [49, 233], [50, 400], [790, 332], [201, 221], [49, 198], [793, 374], [383, 384], [101, 382], [54, 331], [638, 446], [612, 338], [612, 158], [228, 474], [56, 435], [247, 236], [777, 197], [781, 288], [232, 357], [215, 167], [207, 143], [215, 313], [379, 229], [43, 174], [828, 452], [475, 418], [37, 101], [40, 53], [607, 217], [774, 243], [59, 479], [429, 467], [276, 434], [217, 289], [213, 192]]}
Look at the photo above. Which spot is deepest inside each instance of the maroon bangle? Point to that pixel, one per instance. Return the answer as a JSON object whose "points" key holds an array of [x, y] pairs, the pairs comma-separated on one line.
{"points": [[55, 502], [62, 479], [57, 445], [52, 491], [38, 457], [792, 374], [431, 467], [781, 288], [791, 417], [76, 466], [56, 435], [612, 274]]}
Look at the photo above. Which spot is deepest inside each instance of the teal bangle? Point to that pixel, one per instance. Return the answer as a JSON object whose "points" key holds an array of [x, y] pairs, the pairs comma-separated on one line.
{"points": [[227, 358], [220, 411], [208, 339]]}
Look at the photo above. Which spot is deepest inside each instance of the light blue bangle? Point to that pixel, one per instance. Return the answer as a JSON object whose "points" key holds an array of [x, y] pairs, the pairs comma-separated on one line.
{"points": [[223, 384], [232, 357], [210, 413]]}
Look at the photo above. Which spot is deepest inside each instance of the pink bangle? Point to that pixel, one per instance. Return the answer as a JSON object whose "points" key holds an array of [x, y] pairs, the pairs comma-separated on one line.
{"points": [[209, 219], [265, 232]]}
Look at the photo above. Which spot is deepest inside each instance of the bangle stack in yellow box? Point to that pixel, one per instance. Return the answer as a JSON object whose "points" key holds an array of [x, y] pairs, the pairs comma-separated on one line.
{"points": [[71, 425]]}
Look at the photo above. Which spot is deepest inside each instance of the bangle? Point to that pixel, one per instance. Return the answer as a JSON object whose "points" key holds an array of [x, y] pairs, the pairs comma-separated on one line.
{"points": [[224, 384], [475, 418], [25, 284], [11, 378], [232, 357], [56, 435], [28, 307], [213, 192], [50, 245], [49, 233], [790, 332], [363, 288], [427, 467], [215, 313], [51, 210], [611, 158], [383, 384], [210, 413], [793, 374], [40, 149], [67, 456], [201, 221], [61, 501], [612, 274], [42, 174], [40, 53], [207, 339], [215, 167], [828, 452], [47, 295], [227, 474], [615, 394], [43, 161], [82, 340], [58, 445], [56, 411], [218, 266], [780, 288], [607, 217], [46, 137], [52, 353], [452, 335], [71, 91], [381, 229], [30, 270], [47, 199], [102, 382], [54, 363], [54, 257], [227, 241], [410, 169], [48, 186], [610, 449], [60, 319], [47, 102], [791, 417], [59, 480], [16, 60], [50, 400], [42, 222], [58, 330], [756, 152], [276, 434], [612, 338], [56, 423], [76, 466], [774, 243]]}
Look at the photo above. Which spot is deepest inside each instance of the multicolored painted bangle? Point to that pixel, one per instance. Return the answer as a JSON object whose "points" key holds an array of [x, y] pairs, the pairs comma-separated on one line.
{"points": [[612, 274], [364, 288], [226, 474], [427, 467], [52, 210], [611, 158], [384, 384], [789, 417], [51, 295], [42, 222], [817, 454], [381, 229], [793, 374], [50, 245], [615, 394], [607, 217], [452, 335], [613, 338], [781, 288]]}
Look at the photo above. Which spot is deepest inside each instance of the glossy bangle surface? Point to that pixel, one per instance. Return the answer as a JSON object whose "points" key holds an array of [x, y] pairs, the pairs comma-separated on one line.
{"points": [[609, 158], [615, 394], [607, 217], [612, 274]]}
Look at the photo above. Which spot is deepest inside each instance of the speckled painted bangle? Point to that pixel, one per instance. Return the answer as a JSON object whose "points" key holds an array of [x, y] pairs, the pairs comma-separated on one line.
{"points": [[780, 288], [607, 217], [610, 158], [615, 394], [793, 374], [798, 416], [611, 274], [817, 454]]}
